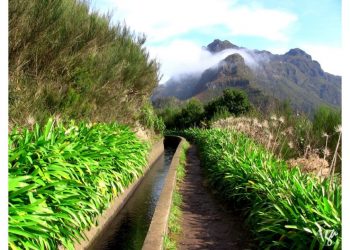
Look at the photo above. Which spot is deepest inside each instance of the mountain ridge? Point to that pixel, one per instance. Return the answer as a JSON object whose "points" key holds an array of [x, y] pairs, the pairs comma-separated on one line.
{"points": [[291, 76]]}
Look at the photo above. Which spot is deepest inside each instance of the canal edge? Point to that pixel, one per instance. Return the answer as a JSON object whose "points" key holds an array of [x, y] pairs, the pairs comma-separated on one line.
{"points": [[118, 203], [159, 223]]}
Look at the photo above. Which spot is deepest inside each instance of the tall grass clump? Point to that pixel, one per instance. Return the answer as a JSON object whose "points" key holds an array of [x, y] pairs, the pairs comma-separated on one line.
{"points": [[62, 177], [150, 120], [314, 146], [66, 59], [286, 209]]}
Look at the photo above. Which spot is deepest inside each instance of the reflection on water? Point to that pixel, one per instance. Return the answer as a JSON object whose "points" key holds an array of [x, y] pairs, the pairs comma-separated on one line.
{"points": [[129, 228]]}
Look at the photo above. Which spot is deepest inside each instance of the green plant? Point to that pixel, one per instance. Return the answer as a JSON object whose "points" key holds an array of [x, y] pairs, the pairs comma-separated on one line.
{"points": [[150, 119], [285, 208], [303, 133], [169, 116], [62, 177], [326, 121], [221, 113]]}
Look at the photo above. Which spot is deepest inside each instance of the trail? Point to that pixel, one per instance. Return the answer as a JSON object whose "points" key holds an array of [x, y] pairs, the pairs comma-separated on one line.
{"points": [[206, 224]]}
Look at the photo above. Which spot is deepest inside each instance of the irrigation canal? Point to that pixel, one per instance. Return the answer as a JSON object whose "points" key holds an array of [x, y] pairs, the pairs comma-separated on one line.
{"points": [[130, 226]]}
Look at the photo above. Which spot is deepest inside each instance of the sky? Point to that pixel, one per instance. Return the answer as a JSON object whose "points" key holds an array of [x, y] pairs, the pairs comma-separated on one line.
{"points": [[177, 30]]}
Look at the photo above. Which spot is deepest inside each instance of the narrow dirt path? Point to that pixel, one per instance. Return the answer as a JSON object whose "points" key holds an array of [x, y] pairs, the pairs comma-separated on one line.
{"points": [[205, 223]]}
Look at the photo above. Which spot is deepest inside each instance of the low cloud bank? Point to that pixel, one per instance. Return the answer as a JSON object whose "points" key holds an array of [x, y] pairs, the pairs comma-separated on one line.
{"points": [[184, 57]]}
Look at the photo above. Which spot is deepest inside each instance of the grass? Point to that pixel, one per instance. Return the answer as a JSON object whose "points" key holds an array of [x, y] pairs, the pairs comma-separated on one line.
{"points": [[293, 138], [174, 225], [286, 209], [62, 177], [68, 60]]}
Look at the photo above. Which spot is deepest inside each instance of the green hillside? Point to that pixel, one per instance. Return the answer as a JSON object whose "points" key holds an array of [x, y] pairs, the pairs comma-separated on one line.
{"points": [[69, 61]]}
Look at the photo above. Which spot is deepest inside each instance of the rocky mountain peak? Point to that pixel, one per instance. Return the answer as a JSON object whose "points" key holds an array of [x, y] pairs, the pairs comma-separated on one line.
{"points": [[234, 58], [298, 52], [217, 45]]}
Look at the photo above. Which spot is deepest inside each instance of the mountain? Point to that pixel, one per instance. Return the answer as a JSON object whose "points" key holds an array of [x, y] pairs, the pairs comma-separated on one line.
{"points": [[266, 78]]}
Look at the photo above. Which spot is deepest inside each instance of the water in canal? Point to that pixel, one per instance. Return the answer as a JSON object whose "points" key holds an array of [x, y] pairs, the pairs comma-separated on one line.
{"points": [[129, 227]]}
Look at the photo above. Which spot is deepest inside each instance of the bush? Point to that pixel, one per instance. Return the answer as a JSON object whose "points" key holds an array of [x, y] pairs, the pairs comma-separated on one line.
{"points": [[191, 114], [150, 119], [222, 113], [169, 116], [303, 133], [67, 60], [194, 114], [273, 134], [325, 122], [234, 101]]}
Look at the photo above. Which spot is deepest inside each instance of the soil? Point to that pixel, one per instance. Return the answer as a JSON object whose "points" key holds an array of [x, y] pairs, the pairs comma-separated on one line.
{"points": [[206, 222]]}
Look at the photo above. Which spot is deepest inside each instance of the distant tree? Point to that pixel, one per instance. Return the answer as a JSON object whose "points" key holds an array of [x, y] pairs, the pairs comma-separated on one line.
{"points": [[169, 116], [234, 101], [190, 115], [166, 102], [326, 120], [285, 109]]}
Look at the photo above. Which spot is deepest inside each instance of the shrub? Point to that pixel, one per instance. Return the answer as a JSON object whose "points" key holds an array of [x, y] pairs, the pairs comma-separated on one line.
{"points": [[68, 60], [191, 114], [325, 122], [303, 133], [221, 113], [234, 101], [150, 119], [169, 116], [194, 114]]}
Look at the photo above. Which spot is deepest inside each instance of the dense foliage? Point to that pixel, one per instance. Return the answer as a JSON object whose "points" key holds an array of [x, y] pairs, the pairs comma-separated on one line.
{"points": [[285, 208], [149, 119], [233, 101], [195, 114], [61, 178], [67, 59], [325, 122]]}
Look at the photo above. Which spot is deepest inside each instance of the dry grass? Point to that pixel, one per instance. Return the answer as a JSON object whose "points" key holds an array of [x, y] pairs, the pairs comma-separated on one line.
{"points": [[312, 163], [272, 133], [280, 138]]}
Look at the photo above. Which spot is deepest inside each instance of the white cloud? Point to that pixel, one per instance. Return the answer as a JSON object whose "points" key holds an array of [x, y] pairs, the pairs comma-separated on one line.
{"points": [[183, 56], [161, 19], [270, 24], [164, 20], [176, 57]]}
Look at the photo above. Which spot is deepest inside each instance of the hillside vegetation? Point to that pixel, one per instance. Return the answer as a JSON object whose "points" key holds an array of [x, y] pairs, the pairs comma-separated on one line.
{"points": [[313, 143], [285, 208], [69, 61]]}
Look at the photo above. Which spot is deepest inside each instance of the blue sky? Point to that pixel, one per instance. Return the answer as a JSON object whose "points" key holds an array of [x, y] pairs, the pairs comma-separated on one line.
{"points": [[176, 30]]}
